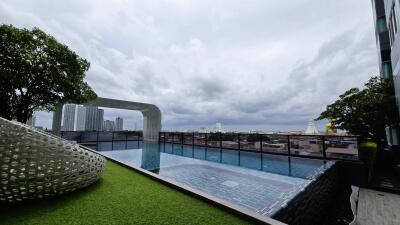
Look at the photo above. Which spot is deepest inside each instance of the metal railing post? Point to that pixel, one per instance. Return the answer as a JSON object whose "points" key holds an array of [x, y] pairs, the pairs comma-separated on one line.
{"points": [[126, 140], [112, 141], [193, 139], [97, 140], [220, 147], [220, 140], [138, 140], [238, 147], [288, 140], [182, 137], [323, 147], [238, 141], [261, 151]]}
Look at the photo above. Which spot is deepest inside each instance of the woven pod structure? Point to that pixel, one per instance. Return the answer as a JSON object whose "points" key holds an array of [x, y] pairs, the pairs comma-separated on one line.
{"points": [[35, 164]]}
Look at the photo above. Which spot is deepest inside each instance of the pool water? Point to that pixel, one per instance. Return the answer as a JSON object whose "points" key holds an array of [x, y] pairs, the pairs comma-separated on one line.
{"points": [[262, 183]]}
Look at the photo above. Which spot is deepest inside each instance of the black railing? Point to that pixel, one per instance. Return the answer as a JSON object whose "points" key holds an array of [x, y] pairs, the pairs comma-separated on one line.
{"points": [[104, 140], [306, 146]]}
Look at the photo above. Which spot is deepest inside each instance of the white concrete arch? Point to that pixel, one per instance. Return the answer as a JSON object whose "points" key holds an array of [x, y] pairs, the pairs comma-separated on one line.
{"points": [[151, 115]]}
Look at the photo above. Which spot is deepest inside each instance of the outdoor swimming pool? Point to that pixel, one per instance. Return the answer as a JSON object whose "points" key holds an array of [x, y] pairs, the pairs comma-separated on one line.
{"points": [[262, 183]]}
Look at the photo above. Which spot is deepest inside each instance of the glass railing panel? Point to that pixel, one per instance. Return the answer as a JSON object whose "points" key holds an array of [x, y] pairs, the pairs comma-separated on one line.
{"points": [[200, 139], [71, 135], [272, 143], [119, 145], [213, 140], [168, 137], [341, 147], [105, 136], [188, 138], [306, 145], [132, 136], [120, 136], [230, 140], [250, 142], [177, 138], [162, 137], [89, 136]]}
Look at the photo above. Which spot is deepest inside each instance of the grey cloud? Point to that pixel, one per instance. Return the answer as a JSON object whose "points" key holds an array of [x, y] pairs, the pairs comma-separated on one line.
{"points": [[263, 64]]}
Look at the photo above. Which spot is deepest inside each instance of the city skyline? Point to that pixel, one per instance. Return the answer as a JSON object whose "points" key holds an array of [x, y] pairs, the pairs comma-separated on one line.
{"points": [[245, 68], [87, 118]]}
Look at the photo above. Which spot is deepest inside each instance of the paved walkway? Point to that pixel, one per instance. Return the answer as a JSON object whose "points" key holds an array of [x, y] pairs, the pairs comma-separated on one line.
{"points": [[376, 207]]}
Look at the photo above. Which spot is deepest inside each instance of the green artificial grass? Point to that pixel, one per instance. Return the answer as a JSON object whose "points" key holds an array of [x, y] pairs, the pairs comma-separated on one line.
{"points": [[122, 196]]}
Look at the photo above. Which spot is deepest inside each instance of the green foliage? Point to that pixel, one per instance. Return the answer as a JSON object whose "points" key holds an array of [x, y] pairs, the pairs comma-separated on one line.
{"points": [[37, 73], [122, 196], [365, 112]]}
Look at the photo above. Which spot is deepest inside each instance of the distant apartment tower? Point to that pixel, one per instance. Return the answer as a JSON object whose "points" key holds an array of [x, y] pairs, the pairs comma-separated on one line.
{"points": [[94, 118], [218, 127], [119, 124], [74, 117], [80, 118], [109, 125], [69, 117]]}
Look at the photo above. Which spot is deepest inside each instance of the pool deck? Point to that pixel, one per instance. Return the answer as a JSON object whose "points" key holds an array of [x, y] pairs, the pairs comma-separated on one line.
{"points": [[375, 207]]}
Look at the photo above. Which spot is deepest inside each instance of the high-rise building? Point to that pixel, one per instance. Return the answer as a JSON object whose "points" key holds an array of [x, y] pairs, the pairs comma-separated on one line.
{"points": [[92, 118], [386, 19], [69, 117], [80, 118], [119, 124], [218, 127], [109, 125], [100, 119], [31, 121], [74, 117]]}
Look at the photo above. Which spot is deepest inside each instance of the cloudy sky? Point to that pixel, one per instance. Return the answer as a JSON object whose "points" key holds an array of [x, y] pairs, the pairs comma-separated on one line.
{"points": [[249, 64]]}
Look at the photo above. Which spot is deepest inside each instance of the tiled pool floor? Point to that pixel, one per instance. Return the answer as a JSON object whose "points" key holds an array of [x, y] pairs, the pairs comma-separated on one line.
{"points": [[258, 194], [260, 191]]}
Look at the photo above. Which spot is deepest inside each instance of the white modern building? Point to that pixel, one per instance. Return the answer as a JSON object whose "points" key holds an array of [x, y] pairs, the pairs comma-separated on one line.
{"points": [[80, 118], [74, 117], [94, 118], [69, 117], [119, 124]]}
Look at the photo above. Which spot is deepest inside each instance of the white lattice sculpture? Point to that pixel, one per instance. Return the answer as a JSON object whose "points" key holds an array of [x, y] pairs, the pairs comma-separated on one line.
{"points": [[35, 164]]}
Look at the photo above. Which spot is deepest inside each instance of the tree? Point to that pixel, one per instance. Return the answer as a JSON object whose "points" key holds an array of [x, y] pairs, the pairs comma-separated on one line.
{"points": [[365, 112], [37, 73]]}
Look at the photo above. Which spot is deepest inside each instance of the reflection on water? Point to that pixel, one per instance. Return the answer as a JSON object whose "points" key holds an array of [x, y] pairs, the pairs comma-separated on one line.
{"points": [[151, 157]]}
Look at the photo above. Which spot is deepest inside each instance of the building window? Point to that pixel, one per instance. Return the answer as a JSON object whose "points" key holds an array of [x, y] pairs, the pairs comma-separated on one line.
{"points": [[393, 23], [381, 24], [386, 69]]}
